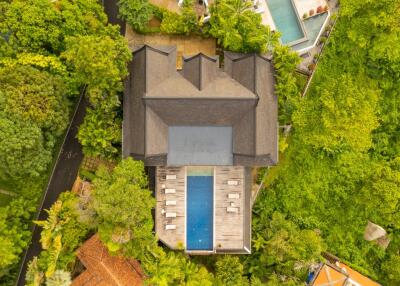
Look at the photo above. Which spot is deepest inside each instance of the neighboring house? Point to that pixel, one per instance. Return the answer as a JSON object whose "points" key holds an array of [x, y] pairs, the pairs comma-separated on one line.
{"points": [[202, 131], [102, 269], [336, 273]]}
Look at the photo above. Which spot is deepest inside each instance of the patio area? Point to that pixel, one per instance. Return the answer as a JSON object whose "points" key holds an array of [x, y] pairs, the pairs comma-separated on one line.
{"points": [[185, 45], [231, 208]]}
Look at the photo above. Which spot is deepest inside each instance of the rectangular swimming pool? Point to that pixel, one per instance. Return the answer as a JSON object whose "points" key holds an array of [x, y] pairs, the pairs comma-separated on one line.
{"points": [[286, 20], [199, 208]]}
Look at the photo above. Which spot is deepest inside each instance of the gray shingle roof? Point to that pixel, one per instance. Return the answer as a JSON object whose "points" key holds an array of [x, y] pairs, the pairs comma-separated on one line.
{"points": [[158, 96]]}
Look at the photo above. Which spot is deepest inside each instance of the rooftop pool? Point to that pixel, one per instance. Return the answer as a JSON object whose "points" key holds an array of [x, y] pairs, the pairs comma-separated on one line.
{"points": [[286, 20], [199, 208]]}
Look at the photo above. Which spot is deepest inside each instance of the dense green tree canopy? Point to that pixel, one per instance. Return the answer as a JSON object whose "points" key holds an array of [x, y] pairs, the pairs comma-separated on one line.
{"points": [[123, 206], [41, 26], [34, 96], [14, 233], [23, 150], [100, 134], [341, 167], [137, 13], [238, 28], [338, 121], [229, 271], [99, 62]]}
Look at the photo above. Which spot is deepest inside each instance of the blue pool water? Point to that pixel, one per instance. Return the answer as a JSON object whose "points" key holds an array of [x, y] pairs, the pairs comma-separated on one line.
{"points": [[199, 229], [286, 20]]}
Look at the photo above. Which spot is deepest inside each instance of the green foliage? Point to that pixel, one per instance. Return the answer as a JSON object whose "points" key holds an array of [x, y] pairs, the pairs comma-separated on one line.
{"points": [[100, 133], [35, 96], [14, 233], [41, 26], [59, 278], [286, 87], [98, 61], [61, 235], [238, 28], [337, 122], [173, 268], [23, 150], [137, 13], [184, 23], [341, 167], [281, 247], [123, 204], [391, 270], [38, 86], [229, 271]]}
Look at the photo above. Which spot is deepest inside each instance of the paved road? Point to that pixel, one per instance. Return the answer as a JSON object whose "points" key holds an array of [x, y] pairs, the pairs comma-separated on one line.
{"points": [[62, 178]]}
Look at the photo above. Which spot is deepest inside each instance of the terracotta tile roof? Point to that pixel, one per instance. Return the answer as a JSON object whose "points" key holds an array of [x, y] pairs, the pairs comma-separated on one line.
{"points": [[340, 275], [103, 269]]}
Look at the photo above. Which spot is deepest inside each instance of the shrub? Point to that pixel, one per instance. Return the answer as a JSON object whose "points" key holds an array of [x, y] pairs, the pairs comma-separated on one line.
{"points": [[312, 12], [320, 9], [326, 8], [137, 13], [183, 24], [311, 67], [305, 15]]}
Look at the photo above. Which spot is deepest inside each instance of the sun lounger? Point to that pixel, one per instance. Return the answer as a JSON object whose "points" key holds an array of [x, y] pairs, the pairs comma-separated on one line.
{"points": [[171, 177], [233, 204], [163, 186], [170, 226], [260, 10], [233, 196], [170, 191], [233, 183], [169, 215], [232, 210], [170, 203]]}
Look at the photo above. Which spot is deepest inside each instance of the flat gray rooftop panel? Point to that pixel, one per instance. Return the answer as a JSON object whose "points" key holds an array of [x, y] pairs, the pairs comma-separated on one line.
{"points": [[199, 145]]}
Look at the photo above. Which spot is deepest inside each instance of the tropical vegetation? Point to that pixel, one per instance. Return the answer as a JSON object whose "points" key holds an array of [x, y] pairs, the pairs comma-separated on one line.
{"points": [[339, 164]]}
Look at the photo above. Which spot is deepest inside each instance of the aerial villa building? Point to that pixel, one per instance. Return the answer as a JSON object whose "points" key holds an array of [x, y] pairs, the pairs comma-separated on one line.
{"points": [[202, 131]]}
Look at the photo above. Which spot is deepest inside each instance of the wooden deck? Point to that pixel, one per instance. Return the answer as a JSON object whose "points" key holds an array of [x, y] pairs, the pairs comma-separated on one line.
{"points": [[228, 233], [172, 238], [228, 227]]}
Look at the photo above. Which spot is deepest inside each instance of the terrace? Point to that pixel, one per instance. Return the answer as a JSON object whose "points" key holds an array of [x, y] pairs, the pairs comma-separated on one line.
{"points": [[204, 217]]}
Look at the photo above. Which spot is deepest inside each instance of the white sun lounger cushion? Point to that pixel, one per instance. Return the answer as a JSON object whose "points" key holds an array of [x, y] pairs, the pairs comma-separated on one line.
{"points": [[233, 183], [232, 210], [170, 214], [170, 226], [171, 177], [233, 196], [170, 203], [170, 191]]}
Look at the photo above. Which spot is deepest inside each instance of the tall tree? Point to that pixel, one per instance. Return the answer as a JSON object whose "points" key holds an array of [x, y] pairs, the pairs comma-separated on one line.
{"points": [[238, 28], [137, 13], [229, 271], [123, 206], [23, 150], [99, 62], [29, 94]]}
